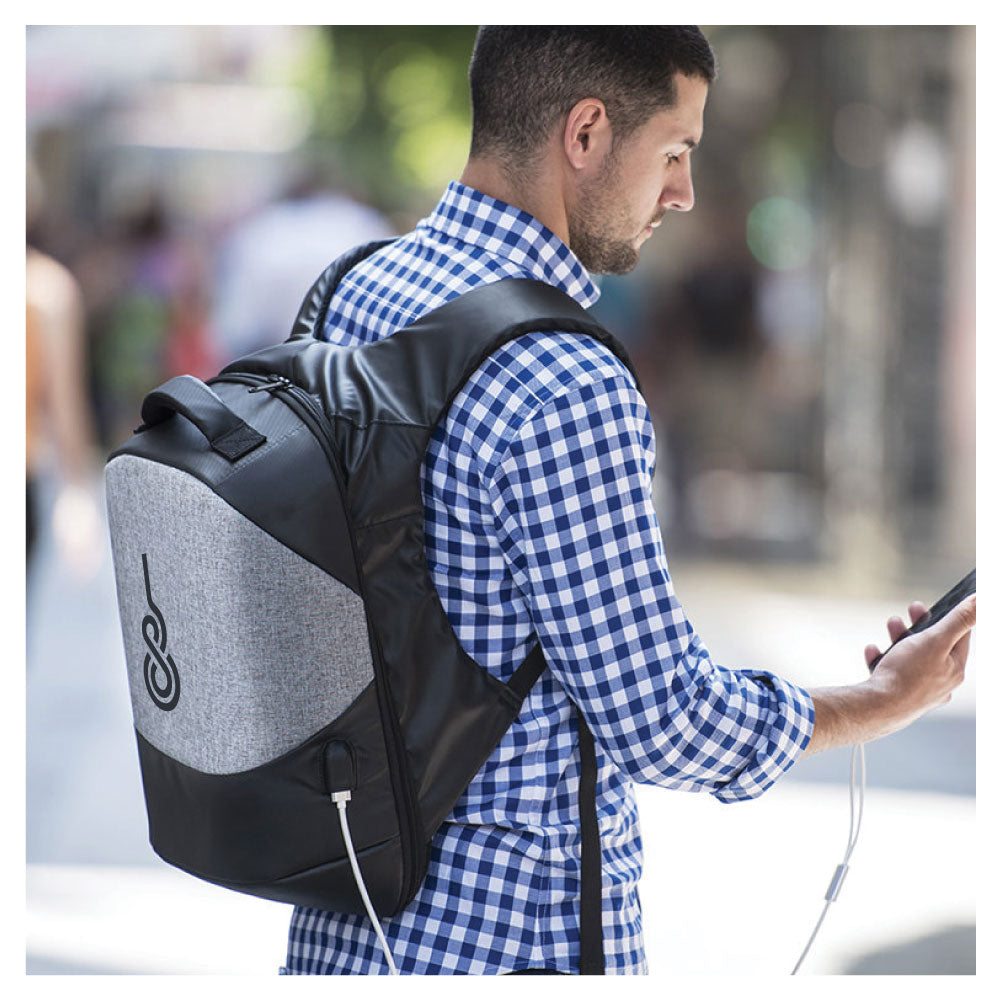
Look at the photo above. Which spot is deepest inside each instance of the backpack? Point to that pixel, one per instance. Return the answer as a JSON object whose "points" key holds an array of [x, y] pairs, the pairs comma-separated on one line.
{"points": [[284, 642]]}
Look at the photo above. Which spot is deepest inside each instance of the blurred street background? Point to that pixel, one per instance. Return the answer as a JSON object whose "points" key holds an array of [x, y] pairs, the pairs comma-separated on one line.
{"points": [[805, 339]]}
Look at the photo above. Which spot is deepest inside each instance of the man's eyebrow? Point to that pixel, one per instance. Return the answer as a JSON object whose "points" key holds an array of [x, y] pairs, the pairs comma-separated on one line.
{"points": [[691, 143]]}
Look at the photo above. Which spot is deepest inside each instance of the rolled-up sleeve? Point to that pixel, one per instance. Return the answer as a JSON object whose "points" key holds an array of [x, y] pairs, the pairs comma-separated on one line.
{"points": [[572, 506]]}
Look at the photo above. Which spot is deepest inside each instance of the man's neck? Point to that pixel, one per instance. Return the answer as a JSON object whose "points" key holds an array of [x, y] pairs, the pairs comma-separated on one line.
{"points": [[537, 196]]}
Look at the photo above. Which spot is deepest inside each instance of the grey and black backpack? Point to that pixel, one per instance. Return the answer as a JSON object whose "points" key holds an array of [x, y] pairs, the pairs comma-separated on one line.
{"points": [[284, 641]]}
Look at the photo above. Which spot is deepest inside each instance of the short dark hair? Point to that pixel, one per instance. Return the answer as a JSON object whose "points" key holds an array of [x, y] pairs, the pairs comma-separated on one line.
{"points": [[524, 79]]}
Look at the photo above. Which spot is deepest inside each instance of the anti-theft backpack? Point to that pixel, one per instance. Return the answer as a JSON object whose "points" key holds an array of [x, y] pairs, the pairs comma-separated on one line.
{"points": [[284, 641]]}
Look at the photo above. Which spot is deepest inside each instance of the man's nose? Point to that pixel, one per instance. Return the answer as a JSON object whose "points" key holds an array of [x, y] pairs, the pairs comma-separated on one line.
{"points": [[678, 194]]}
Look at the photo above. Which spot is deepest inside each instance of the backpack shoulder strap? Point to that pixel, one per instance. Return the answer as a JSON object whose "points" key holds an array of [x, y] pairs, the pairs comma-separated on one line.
{"points": [[492, 314], [487, 316], [438, 354], [481, 321], [309, 320]]}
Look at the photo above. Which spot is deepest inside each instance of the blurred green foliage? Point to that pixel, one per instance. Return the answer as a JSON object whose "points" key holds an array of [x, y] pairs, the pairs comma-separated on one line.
{"points": [[391, 104]]}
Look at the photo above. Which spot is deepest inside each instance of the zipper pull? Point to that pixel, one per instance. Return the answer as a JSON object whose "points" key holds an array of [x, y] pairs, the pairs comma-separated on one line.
{"points": [[275, 383]]}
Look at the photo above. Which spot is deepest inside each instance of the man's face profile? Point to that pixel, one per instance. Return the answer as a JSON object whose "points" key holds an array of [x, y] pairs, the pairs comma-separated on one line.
{"points": [[616, 210]]}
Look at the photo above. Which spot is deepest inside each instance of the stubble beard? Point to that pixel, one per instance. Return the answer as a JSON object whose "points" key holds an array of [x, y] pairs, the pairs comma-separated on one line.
{"points": [[600, 213]]}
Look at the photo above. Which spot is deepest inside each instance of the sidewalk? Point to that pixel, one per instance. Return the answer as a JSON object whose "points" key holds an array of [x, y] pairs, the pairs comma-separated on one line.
{"points": [[727, 890]]}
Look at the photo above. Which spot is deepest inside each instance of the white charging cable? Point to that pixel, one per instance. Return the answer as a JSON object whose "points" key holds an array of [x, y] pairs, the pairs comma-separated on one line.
{"points": [[342, 798], [857, 754]]}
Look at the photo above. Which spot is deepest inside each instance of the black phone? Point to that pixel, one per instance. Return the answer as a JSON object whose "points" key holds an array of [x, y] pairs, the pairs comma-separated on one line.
{"points": [[956, 595]]}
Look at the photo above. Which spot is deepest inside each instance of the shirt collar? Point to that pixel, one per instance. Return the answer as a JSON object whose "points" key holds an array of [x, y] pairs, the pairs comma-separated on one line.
{"points": [[494, 227]]}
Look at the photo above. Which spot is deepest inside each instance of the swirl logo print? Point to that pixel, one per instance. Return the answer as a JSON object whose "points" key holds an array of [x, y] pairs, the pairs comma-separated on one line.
{"points": [[158, 668]]}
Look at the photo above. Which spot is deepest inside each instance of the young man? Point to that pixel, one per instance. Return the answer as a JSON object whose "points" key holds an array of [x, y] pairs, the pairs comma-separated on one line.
{"points": [[540, 524]]}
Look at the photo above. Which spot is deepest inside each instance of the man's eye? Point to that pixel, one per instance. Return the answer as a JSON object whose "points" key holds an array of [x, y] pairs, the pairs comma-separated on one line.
{"points": [[673, 158]]}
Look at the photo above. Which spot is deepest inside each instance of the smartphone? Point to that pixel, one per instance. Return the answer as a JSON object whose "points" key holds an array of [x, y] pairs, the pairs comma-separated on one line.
{"points": [[956, 595]]}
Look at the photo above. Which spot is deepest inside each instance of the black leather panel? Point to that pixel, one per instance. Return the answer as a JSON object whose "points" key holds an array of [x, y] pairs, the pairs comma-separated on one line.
{"points": [[453, 713], [299, 504], [382, 487], [274, 821], [331, 886]]}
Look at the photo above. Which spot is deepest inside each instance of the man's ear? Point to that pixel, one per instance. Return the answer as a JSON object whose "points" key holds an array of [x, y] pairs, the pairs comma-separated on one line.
{"points": [[587, 135]]}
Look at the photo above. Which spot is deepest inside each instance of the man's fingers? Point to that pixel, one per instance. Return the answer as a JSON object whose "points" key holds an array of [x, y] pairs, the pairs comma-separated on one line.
{"points": [[896, 627], [955, 627]]}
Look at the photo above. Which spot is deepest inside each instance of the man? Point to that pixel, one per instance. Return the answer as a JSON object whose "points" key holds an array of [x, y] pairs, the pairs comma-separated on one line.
{"points": [[539, 523]]}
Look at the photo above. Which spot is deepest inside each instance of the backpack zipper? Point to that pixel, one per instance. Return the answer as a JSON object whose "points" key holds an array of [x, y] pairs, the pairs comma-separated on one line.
{"points": [[312, 415], [274, 383]]}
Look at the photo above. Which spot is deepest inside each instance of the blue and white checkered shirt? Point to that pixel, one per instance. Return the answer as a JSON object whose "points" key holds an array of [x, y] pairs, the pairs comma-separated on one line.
{"points": [[540, 522]]}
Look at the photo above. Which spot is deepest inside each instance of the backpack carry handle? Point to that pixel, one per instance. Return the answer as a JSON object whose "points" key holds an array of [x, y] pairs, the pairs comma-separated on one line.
{"points": [[227, 433]]}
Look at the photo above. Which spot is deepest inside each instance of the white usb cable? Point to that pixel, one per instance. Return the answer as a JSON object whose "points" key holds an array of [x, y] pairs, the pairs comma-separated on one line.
{"points": [[342, 798], [857, 754]]}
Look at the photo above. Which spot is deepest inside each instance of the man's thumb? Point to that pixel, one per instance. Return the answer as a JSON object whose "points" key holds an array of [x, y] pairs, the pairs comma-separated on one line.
{"points": [[960, 619]]}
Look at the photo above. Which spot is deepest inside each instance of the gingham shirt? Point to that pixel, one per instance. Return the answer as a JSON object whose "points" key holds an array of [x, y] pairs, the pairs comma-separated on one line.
{"points": [[540, 522]]}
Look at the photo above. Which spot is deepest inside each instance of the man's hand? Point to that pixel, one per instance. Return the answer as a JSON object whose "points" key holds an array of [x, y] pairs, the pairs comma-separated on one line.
{"points": [[912, 678]]}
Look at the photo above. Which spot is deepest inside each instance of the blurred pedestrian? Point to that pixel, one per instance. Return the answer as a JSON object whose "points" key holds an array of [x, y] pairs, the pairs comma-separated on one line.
{"points": [[266, 263], [146, 285], [58, 420]]}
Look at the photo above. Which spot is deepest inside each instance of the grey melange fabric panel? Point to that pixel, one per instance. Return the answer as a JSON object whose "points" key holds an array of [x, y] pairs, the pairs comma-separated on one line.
{"points": [[268, 648]]}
